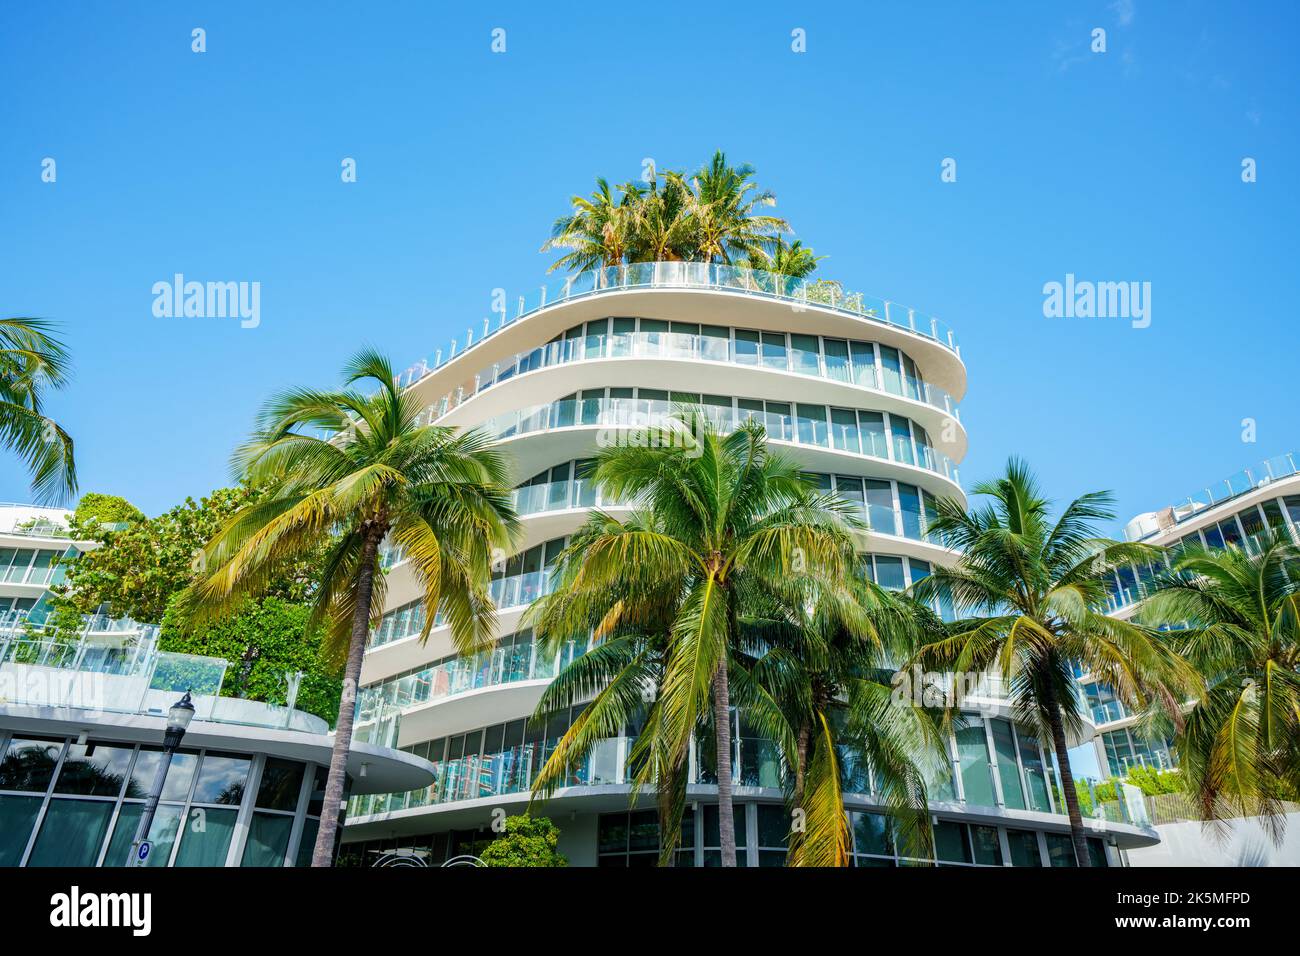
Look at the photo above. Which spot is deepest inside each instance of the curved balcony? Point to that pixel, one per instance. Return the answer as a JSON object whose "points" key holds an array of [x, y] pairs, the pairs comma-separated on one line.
{"points": [[880, 437], [798, 293], [864, 365]]}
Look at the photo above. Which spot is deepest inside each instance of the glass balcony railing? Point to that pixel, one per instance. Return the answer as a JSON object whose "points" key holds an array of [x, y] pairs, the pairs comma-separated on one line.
{"points": [[705, 348], [803, 425], [1238, 483], [800, 293]]}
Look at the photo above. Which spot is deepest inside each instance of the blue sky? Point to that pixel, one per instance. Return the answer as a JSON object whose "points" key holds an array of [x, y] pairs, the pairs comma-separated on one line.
{"points": [[225, 166]]}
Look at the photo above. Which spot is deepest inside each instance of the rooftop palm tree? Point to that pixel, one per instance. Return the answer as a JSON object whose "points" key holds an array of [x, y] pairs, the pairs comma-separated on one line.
{"points": [[1236, 618], [1032, 588], [793, 259], [662, 227], [715, 511], [823, 654], [723, 204], [599, 232], [33, 360], [441, 496]]}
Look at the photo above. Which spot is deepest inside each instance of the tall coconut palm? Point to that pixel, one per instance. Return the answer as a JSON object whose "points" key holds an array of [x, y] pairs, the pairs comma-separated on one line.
{"points": [[1032, 588], [599, 232], [33, 361], [715, 510], [442, 497], [1236, 618], [723, 203], [788, 259], [823, 651]]}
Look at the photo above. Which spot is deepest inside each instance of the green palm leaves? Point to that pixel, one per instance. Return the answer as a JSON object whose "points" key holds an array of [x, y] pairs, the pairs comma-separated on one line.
{"points": [[714, 215], [715, 592], [1031, 587], [442, 497], [34, 361], [1235, 617]]}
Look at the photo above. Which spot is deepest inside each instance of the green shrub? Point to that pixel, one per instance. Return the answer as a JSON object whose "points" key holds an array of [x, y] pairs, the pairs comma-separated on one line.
{"points": [[525, 841]]}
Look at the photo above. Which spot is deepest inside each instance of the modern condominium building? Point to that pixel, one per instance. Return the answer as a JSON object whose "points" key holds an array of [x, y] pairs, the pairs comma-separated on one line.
{"points": [[1232, 512], [862, 392]]}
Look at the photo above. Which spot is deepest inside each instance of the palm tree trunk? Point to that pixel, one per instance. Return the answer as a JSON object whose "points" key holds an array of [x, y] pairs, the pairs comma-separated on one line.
{"points": [[1081, 856], [722, 734], [332, 808], [801, 761]]}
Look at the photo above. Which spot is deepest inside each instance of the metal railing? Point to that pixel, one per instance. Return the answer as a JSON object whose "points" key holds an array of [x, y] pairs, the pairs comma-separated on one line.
{"points": [[799, 293]]}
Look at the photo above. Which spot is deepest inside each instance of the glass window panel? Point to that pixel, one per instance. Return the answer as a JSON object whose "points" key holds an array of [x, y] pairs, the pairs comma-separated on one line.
{"points": [[872, 425], [29, 764], [774, 350], [889, 572], [643, 831], [950, 844], [205, 837], [1013, 794], [281, 784], [179, 774], [72, 833], [836, 352], [973, 752], [1024, 848], [1060, 849], [850, 489], [611, 833], [268, 840], [307, 842], [812, 425], [909, 503], [1035, 775], [746, 346], [987, 846], [1213, 537], [844, 430], [93, 770], [1231, 534], [773, 825], [17, 816], [871, 834], [803, 354], [891, 370], [1097, 852], [880, 506], [162, 834], [864, 363], [712, 831], [779, 425], [221, 779], [902, 439]]}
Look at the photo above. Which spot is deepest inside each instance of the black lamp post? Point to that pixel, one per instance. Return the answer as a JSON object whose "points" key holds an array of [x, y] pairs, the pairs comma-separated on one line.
{"points": [[178, 720]]}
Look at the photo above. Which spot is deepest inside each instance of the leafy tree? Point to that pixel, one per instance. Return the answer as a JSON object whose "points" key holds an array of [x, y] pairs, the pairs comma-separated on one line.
{"points": [[1032, 588], [525, 841], [724, 200], [33, 362], [599, 231], [265, 641], [105, 510], [442, 495], [1236, 617], [787, 259]]}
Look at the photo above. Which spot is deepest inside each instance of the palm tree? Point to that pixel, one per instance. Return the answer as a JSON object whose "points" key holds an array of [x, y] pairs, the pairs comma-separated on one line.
{"points": [[723, 203], [1236, 618], [600, 230], [1033, 588], [714, 511], [794, 259], [33, 361], [663, 229], [823, 654], [442, 497]]}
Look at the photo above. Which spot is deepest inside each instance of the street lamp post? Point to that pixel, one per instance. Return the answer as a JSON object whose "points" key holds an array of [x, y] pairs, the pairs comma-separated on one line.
{"points": [[178, 720]]}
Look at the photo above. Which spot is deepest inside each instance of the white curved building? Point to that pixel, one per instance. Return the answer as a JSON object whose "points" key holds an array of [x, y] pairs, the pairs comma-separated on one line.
{"points": [[863, 393], [1232, 512]]}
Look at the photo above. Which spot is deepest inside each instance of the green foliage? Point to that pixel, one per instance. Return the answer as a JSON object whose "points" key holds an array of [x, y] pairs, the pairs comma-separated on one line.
{"points": [[105, 510], [1149, 780], [526, 841], [138, 569], [34, 362], [263, 642]]}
